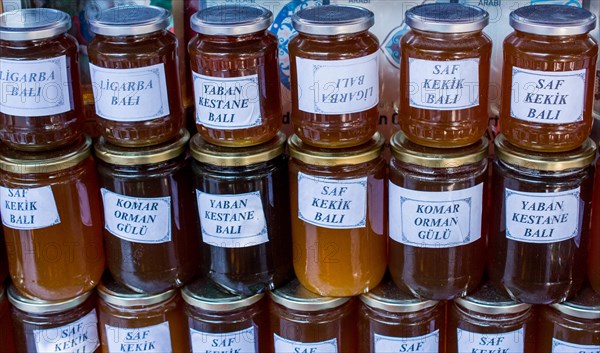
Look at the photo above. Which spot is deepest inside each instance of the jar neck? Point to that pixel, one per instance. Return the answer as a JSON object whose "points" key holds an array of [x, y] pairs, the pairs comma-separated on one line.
{"points": [[413, 317], [494, 319], [131, 39], [233, 39], [332, 38], [447, 36], [541, 173], [30, 43], [234, 171], [553, 39], [467, 169]]}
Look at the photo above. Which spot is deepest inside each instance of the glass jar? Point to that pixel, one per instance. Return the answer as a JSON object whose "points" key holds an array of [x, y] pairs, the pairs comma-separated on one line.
{"points": [[573, 326], [540, 217], [334, 66], [488, 321], [151, 238], [223, 322], [52, 218], [548, 78], [54, 326], [134, 71], [594, 251], [391, 321], [41, 105], [338, 216], [235, 69], [445, 75], [436, 202], [135, 322], [6, 330], [3, 259], [302, 321], [243, 209]]}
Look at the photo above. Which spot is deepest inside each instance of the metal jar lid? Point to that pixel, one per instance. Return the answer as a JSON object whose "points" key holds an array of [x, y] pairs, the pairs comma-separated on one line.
{"points": [[116, 294], [33, 24], [294, 296], [330, 20], [333, 157], [231, 20], [579, 158], [130, 20], [585, 305], [488, 300], [221, 156], [388, 297], [409, 152], [20, 162], [447, 18], [205, 295], [38, 306], [552, 20], [118, 155]]}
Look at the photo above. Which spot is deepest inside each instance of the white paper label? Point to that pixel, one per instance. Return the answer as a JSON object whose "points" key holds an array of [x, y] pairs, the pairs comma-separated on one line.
{"points": [[538, 217], [559, 346], [80, 336], [509, 342], [151, 339], [423, 344], [137, 94], [548, 97], [435, 219], [243, 341], [444, 85], [28, 209], [35, 87], [227, 103], [139, 220], [338, 86], [335, 204], [232, 221], [283, 345]]}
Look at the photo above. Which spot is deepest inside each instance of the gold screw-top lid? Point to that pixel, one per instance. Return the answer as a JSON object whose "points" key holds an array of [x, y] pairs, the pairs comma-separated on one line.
{"points": [[585, 305], [488, 300], [579, 158], [117, 294], [205, 295], [333, 157], [20, 162], [294, 296], [113, 154], [221, 156], [38, 306], [409, 152], [388, 297]]}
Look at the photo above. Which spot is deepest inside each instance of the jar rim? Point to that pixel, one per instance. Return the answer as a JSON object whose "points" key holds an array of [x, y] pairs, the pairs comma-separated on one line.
{"points": [[38, 306], [231, 20], [205, 295], [117, 294], [388, 297], [130, 20], [585, 305], [296, 297], [552, 20], [335, 157], [447, 18], [330, 20], [488, 300], [33, 24]]}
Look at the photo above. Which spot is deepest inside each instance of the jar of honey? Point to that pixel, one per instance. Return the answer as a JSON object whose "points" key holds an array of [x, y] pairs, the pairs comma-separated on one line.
{"points": [[52, 219], [302, 321], [243, 209], [42, 106], [134, 70], [548, 78], [235, 69], [3, 259], [135, 322], [593, 258], [573, 326], [334, 66], [436, 201], [540, 219], [6, 331], [151, 236], [338, 216], [389, 320], [487, 321], [54, 326], [223, 322]]}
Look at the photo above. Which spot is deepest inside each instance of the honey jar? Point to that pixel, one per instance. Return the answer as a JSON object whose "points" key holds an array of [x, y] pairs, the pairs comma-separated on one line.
{"points": [[540, 217], [548, 78], [445, 74], [235, 69], [593, 258], [334, 66], [436, 201], [42, 106], [6, 331], [134, 71], [151, 236], [52, 219], [243, 209], [338, 216]]}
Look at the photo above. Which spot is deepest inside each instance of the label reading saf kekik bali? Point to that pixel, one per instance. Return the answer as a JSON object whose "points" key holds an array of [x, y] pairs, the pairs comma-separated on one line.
{"points": [[243, 341], [508, 342], [151, 339], [283, 345], [80, 336], [429, 343], [559, 346], [28, 209]]}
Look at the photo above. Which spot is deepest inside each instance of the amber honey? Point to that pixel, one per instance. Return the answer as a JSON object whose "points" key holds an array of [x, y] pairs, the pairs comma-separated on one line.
{"points": [[6, 331]]}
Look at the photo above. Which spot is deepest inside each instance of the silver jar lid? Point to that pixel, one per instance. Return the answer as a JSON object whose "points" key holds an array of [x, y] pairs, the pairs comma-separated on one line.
{"points": [[115, 293], [488, 300], [585, 305], [294, 296], [447, 18], [231, 20], [130, 20], [33, 24], [329, 20], [388, 297], [38, 306], [552, 20], [205, 295]]}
